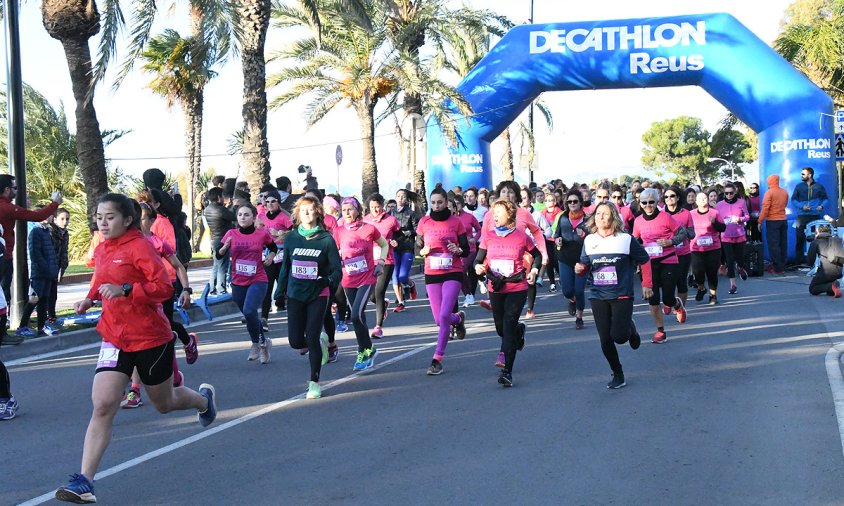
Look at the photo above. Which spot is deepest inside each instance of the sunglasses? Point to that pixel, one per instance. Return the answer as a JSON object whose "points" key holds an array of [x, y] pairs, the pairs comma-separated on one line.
{"points": [[573, 202], [729, 193], [648, 202], [754, 187], [270, 201], [617, 197], [601, 197], [670, 196]]}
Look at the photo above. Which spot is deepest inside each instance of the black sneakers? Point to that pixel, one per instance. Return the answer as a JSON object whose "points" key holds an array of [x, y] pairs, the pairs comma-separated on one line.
{"points": [[699, 295], [635, 338], [617, 381], [460, 328], [505, 378], [713, 300], [520, 343]]}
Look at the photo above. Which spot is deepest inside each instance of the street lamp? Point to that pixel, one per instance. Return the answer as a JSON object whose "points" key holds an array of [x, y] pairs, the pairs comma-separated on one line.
{"points": [[731, 164]]}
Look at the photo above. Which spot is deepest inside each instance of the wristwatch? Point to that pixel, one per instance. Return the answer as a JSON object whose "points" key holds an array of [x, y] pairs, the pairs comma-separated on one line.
{"points": [[188, 289], [127, 289]]}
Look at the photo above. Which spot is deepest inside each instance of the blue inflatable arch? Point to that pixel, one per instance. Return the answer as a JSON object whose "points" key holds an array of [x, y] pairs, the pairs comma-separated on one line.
{"points": [[792, 116]]}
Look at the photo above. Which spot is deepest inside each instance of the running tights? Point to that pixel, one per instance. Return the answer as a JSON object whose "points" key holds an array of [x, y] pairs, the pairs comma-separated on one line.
{"points": [[359, 297], [328, 324], [272, 273], [531, 296], [705, 264], [470, 278], [342, 305], [404, 261], [169, 307], [683, 273], [304, 324], [443, 297], [5, 384], [664, 281], [248, 299], [380, 293], [506, 308], [551, 268], [733, 254], [613, 319]]}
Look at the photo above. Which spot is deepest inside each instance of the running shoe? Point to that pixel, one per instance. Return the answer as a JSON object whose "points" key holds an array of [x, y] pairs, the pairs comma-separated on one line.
{"points": [[264, 349], [207, 417], [660, 337], [572, 307], [530, 314], [520, 343], [578, 323], [79, 490], [55, 323], [722, 270], [680, 311], [617, 381], [323, 345], [733, 290], [553, 288], [304, 351], [50, 330], [468, 300], [666, 309], [399, 307], [485, 304], [505, 378], [369, 357], [691, 281], [191, 350], [436, 368], [265, 326], [360, 364], [460, 327], [742, 273], [539, 281], [699, 295], [635, 338], [482, 287], [499, 362], [314, 391], [713, 300], [334, 308], [412, 290], [8, 408], [333, 353], [836, 289], [342, 327], [254, 352], [377, 332], [243, 320], [25, 332], [133, 400]]}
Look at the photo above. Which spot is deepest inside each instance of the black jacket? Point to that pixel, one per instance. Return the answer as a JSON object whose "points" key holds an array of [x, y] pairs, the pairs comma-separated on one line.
{"points": [[220, 220], [406, 236], [831, 253]]}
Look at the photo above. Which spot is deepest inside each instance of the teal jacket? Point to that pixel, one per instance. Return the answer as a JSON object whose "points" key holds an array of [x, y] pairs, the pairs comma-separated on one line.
{"points": [[319, 248]]}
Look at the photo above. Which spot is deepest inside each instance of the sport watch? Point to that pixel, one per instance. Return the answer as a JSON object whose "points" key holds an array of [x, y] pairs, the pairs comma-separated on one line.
{"points": [[127, 289]]}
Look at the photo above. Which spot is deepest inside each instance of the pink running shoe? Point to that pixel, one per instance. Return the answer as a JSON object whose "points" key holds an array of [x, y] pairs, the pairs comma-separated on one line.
{"points": [[191, 350]]}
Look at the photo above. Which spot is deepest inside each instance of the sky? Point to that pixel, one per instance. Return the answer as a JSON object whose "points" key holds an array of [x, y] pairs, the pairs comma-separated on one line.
{"points": [[596, 133]]}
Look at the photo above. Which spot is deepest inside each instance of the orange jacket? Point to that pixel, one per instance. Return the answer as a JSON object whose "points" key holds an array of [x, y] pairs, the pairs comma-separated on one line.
{"points": [[136, 322], [775, 201]]}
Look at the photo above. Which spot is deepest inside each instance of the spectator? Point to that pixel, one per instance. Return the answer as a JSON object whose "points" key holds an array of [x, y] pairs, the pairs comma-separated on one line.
{"points": [[831, 253], [220, 220], [43, 272], [9, 213], [755, 208], [216, 182], [776, 233], [58, 231], [809, 197]]}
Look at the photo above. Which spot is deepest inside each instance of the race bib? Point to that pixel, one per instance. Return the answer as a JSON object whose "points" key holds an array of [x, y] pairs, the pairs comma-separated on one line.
{"points": [[440, 261], [304, 269], [246, 267], [704, 240], [503, 267], [355, 265], [654, 250], [605, 276], [279, 257], [108, 356]]}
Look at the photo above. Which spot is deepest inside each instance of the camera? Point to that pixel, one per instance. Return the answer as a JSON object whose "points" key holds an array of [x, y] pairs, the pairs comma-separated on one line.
{"points": [[303, 169]]}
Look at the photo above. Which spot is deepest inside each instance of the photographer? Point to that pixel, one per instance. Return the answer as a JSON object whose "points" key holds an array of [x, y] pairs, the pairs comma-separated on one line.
{"points": [[831, 252]]}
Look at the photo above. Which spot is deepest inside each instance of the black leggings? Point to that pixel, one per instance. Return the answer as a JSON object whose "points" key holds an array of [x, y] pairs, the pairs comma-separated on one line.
{"points": [[821, 284], [663, 279], [304, 324], [5, 383], [551, 268], [614, 321], [733, 254], [343, 311], [272, 271], [506, 308], [169, 307], [531, 296], [359, 297], [470, 278], [683, 273], [384, 280], [328, 324], [705, 264]]}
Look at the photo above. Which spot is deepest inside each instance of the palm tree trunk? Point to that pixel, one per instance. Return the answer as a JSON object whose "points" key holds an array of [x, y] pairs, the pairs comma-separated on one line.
{"points": [[255, 17], [197, 150], [507, 157], [193, 125], [89, 140], [369, 168]]}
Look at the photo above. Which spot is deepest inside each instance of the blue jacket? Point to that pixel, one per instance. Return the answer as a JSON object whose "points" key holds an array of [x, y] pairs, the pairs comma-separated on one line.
{"points": [[43, 263], [612, 261], [813, 196]]}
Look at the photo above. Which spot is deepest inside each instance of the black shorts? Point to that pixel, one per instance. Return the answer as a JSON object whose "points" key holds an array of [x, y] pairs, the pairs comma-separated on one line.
{"points": [[155, 365]]}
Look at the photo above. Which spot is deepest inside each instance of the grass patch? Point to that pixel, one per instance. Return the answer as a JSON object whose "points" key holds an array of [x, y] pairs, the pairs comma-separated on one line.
{"points": [[78, 268]]}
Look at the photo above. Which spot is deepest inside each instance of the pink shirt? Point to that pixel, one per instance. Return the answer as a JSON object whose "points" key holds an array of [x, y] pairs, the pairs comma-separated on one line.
{"points": [[330, 223], [280, 222], [735, 215], [650, 231], [355, 242], [706, 237], [473, 229], [525, 223], [163, 249], [387, 225], [437, 235], [684, 219], [506, 255], [247, 251], [162, 228], [626, 215]]}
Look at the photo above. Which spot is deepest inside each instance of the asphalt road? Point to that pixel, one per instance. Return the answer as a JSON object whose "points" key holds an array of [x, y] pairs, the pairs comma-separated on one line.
{"points": [[735, 408]]}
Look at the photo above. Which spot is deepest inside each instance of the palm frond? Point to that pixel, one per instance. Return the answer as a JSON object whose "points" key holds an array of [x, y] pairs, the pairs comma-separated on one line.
{"points": [[144, 16], [112, 24]]}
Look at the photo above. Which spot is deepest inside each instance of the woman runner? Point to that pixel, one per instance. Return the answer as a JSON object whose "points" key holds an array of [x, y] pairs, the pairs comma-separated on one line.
{"points": [[568, 235], [551, 213], [387, 225], [473, 234], [500, 257], [249, 280], [443, 244], [310, 270], [277, 223], [403, 286], [683, 218], [706, 247], [356, 241], [131, 282], [733, 210], [610, 256]]}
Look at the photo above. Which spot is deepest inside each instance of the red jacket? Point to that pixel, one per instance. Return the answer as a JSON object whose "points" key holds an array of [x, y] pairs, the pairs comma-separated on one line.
{"points": [[137, 322], [10, 212]]}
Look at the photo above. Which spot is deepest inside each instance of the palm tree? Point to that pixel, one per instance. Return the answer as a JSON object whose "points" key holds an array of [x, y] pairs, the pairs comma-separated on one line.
{"points": [[182, 68], [73, 22]]}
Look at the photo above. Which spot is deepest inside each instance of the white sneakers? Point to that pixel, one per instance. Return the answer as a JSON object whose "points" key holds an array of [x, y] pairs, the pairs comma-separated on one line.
{"points": [[468, 300]]}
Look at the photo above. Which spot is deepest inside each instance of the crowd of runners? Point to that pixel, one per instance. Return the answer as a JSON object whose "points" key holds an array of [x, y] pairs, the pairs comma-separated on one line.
{"points": [[325, 258]]}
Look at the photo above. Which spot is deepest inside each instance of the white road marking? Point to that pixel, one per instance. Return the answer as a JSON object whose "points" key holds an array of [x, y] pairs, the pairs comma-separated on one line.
{"points": [[228, 425]]}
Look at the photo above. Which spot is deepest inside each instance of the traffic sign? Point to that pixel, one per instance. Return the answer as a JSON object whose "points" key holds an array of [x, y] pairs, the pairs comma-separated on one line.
{"points": [[839, 121], [839, 147], [338, 155]]}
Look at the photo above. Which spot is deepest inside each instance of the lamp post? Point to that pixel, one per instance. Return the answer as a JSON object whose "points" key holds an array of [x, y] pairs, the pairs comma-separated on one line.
{"points": [[530, 117], [731, 164]]}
